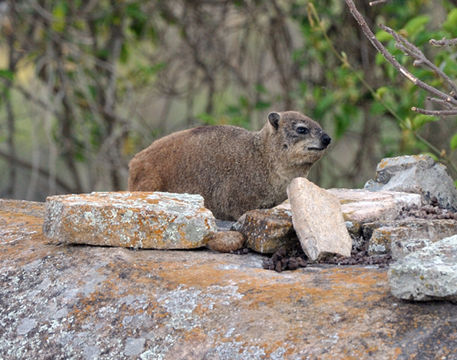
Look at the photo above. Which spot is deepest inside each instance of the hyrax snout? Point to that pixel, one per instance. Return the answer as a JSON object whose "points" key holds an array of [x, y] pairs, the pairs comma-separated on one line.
{"points": [[235, 170]]}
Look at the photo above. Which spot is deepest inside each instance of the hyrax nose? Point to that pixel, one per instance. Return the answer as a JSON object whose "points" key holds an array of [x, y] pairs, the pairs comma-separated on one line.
{"points": [[325, 139]]}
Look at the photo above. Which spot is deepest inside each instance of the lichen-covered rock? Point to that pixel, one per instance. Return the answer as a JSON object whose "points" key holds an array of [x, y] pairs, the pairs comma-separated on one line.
{"points": [[317, 220], [225, 241], [427, 274], [137, 220], [416, 174], [267, 230], [86, 302], [400, 237]]}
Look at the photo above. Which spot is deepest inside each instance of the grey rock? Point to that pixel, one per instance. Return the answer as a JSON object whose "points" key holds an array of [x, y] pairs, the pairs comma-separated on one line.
{"points": [[198, 305], [400, 237], [416, 174], [267, 230], [318, 220], [361, 206], [427, 274], [138, 220]]}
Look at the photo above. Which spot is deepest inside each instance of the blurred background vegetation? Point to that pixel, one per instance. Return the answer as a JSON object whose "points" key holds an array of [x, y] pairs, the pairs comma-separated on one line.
{"points": [[86, 84]]}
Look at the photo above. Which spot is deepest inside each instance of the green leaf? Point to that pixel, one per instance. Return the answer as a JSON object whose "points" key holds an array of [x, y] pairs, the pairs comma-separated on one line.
{"points": [[420, 120], [58, 17], [451, 23], [262, 105], [381, 92], [454, 142], [207, 118], [383, 36], [416, 25], [7, 74]]}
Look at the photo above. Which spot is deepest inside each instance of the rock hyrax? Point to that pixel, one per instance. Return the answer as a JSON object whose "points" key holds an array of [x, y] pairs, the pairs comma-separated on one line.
{"points": [[235, 170]]}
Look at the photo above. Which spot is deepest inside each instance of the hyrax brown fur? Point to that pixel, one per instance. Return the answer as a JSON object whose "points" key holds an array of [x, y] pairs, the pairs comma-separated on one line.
{"points": [[235, 170]]}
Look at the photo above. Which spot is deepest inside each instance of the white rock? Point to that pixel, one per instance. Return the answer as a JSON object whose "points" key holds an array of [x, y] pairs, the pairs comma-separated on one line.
{"points": [[416, 174], [363, 206], [317, 220], [427, 274]]}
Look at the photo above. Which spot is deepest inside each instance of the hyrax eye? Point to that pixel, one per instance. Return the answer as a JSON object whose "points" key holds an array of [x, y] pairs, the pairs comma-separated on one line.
{"points": [[302, 130]]}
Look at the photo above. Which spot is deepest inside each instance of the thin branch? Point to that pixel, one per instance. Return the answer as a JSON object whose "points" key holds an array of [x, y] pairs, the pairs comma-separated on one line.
{"points": [[443, 42], [420, 59], [435, 112], [391, 59], [441, 102], [377, 2], [45, 173]]}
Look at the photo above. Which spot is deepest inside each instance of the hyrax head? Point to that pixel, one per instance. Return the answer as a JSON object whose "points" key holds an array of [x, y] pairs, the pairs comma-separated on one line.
{"points": [[299, 139]]}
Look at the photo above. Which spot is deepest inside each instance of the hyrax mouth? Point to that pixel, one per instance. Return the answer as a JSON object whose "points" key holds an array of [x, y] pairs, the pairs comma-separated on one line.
{"points": [[317, 148]]}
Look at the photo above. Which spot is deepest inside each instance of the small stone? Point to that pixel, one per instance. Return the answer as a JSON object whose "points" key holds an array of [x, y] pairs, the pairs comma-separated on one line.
{"points": [[317, 220], [267, 230], [427, 274], [418, 174], [225, 241], [130, 219]]}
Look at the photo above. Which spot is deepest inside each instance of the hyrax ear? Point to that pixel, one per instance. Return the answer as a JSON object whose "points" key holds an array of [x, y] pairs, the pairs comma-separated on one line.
{"points": [[273, 118]]}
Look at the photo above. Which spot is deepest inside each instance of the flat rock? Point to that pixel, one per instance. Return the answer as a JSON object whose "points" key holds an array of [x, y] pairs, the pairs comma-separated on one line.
{"points": [[361, 206], [86, 302], [416, 174], [427, 274], [137, 220], [317, 220], [400, 237], [267, 230]]}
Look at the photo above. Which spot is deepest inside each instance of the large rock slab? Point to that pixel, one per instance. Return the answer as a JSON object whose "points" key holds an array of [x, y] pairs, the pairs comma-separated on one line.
{"points": [[427, 274], [267, 230], [317, 220], [416, 174], [129, 219], [85, 302]]}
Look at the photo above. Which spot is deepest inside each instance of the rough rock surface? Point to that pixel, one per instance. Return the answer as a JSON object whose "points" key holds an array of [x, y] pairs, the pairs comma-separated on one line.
{"points": [[225, 241], [427, 274], [361, 206], [416, 174], [129, 219], [267, 230], [86, 302], [317, 220], [403, 236]]}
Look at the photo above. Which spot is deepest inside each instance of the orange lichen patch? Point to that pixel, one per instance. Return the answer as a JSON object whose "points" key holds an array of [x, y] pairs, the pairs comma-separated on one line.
{"points": [[192, 304], [195, 335]]}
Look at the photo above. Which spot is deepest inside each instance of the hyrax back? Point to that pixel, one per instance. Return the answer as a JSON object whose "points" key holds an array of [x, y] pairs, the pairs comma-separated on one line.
{"points": [[235, 170]]}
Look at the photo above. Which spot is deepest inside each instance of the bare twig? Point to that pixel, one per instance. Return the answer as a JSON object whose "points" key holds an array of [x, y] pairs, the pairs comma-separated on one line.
{"points": [[441, 102], [391, 59], [377, 2], [435, 112], [45, 173], [443, 42], [420, 59]]}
